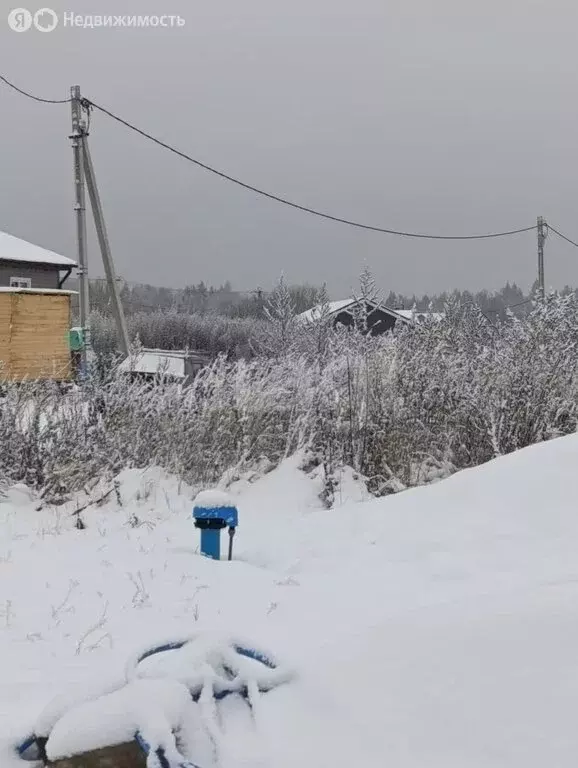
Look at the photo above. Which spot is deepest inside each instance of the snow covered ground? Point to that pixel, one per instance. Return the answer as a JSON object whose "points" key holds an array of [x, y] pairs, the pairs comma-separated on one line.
{"points": [[434, 628]]}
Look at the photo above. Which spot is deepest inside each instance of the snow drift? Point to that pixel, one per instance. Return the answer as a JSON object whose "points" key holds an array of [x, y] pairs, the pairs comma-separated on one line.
{"points": [[433, 628]]}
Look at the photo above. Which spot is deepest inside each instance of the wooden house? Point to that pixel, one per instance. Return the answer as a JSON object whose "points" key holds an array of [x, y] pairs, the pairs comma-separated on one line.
{"points": [[34, 312]]}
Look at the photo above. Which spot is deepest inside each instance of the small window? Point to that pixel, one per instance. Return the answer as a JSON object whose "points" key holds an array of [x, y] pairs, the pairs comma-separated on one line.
{"points": [[20, 282]]}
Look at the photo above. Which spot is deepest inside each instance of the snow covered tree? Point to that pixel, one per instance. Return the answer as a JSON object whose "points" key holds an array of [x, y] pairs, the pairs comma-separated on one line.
{"points": [[278, 334]]}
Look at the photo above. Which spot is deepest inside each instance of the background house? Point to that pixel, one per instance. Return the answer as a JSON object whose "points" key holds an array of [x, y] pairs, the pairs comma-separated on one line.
{"points": [[380, 318], [24, 265]]}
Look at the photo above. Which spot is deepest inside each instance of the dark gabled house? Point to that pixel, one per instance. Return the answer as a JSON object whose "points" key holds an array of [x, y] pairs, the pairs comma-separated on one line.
{"points": [[27, 266], [380, 318]]}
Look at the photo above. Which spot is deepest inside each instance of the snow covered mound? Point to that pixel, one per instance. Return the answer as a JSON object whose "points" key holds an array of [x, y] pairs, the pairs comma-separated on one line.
{"points": [[433, 628]]}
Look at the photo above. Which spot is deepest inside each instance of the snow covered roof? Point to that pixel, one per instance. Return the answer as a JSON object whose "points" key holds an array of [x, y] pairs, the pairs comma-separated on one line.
{"points": [[163, 362], [333, 307], [55, 291], [156, 361], [15, 249], [415, 315], [407, 313]]}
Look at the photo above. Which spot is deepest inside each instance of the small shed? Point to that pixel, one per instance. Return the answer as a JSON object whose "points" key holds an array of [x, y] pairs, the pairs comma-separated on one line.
{"points": [[34, 331], [24, 265], [168, 364]]}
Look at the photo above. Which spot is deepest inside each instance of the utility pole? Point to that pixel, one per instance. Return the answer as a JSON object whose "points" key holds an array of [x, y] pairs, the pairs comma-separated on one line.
{"points": [[105, 249], [84, 173], [77, 137], [541, 230]]}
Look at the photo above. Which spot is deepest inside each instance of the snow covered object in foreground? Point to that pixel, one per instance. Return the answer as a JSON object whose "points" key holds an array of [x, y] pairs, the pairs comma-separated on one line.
{"points": [[159, 705], [212, 511]]}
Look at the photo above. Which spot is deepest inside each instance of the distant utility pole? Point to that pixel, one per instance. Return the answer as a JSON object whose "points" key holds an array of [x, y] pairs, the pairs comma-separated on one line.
{"points": [[77, 137], [542, 229]]}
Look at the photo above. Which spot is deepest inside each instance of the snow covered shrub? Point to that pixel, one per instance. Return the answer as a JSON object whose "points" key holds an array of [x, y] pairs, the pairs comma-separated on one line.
{"points": [[209, 332], [480, 390], [416, 406], [402, 409], [532, 393]]}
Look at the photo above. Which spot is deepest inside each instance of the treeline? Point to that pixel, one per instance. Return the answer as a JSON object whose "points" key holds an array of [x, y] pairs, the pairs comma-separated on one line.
{"points": [[221, 321], [224, 300], [195, 299]]}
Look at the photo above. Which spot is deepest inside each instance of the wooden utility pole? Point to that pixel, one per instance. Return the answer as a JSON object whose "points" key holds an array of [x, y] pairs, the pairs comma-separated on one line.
{"points": [[541, 231], [77, 137]]}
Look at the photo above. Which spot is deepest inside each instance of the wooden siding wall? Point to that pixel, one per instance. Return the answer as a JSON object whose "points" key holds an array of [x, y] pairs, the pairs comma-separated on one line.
{"points": [[41, 275], [34, 336], [5, 322]]}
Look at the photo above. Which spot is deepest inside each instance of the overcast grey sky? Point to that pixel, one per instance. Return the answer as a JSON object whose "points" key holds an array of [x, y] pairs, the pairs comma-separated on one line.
{"points": [[450, 116]]}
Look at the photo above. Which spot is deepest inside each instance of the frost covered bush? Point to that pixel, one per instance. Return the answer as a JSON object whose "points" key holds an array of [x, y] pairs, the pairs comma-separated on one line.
{"points": [[402, 410], [233, 414], [209, 332]]}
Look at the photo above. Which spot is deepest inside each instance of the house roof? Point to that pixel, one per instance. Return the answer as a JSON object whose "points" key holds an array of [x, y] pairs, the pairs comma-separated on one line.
{"points": [[50, 291], [15, 249], [414, 314], [161, 361], [333, 306], [155, 362], [347, 305]]}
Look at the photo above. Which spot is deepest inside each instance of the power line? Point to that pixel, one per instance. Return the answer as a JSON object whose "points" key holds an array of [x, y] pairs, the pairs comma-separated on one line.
{"points": [[263, 193], [567, 239], [31, 95], [510, 306], [299, 207], [519, 304]]}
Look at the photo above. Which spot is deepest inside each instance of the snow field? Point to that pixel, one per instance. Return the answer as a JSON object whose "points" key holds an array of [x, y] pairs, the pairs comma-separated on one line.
{"points": [[432, 628]]}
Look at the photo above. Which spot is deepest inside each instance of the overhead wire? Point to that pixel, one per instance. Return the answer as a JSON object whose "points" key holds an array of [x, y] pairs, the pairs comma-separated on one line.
{"points": [[510, 306], [519, 304], [31, 95], [556, 232], [88, 104], [290, 203]]}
